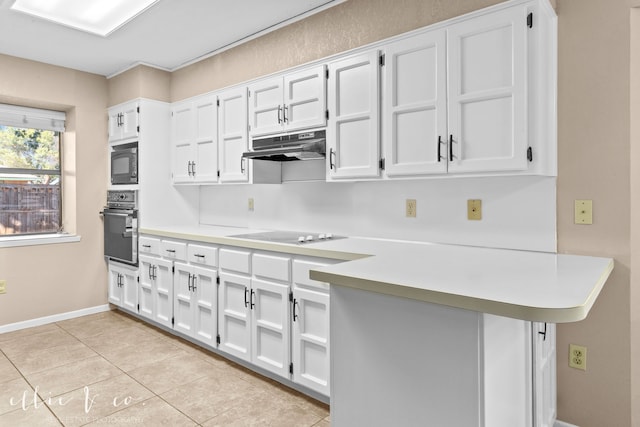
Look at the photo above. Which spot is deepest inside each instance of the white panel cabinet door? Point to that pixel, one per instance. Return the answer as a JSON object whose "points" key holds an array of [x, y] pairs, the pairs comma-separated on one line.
{"points": [[183, 298], [146, 274], [205, 160], [234, 315], [130, 121], [415, 108], [205, 305], [182, 137], [123, 286], [233, 135], [305, 99], [270, 326], [353, 126], [487, 92], [163, 294], [544, 368], [265, 106], [310, 343]]}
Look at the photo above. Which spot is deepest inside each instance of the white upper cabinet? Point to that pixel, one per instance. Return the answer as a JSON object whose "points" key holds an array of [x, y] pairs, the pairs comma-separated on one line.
{"points": [[488, 92], [287, 103], [195, 140], [415, 110], [123, 121], [233, 135], [353, 148]]}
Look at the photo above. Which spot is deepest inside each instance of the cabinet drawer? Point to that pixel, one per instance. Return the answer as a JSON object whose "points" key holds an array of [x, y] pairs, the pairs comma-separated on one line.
{"points": [[202, 254], [235, 260], [173, 250], [301, 269], [149, 245], [272, 267]]}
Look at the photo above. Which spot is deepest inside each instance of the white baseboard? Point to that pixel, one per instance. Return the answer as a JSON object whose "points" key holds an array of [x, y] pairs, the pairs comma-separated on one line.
{"points": [[53, 318], [563, 424]]}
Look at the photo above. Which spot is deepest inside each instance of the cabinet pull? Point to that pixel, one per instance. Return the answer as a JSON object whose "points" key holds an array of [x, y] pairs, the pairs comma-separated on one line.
{"points": [[146, 246], [189, 168], [295, 303], [189, 282], [451, 148], [544, 333], [119, 281], [332, 155], [198, 256], [193, 168], [150, 272], [252, 303], [246, 302], [286, 110], [155, 268], [439, 148], [193, 283], [279, 114], [242, 165], [171, 250]]}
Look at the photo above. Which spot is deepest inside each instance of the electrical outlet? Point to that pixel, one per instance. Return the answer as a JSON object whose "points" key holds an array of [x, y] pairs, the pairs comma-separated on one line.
{"points": [[583, 211], [3, 286], [578, 357], [411, 208], [251, 204], [474, 210]]}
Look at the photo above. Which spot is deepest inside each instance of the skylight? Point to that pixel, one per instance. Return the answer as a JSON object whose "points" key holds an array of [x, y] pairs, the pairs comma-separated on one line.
{"points": [[101, 17]]}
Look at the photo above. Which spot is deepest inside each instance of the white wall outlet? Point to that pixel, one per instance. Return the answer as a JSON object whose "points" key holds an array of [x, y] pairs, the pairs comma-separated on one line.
{"points": [[578, 357]]}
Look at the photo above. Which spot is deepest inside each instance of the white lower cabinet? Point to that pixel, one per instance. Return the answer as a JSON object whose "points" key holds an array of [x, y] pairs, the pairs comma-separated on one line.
{"points": [[156, 289], [123, 286], [310, 328], [195, 302]]}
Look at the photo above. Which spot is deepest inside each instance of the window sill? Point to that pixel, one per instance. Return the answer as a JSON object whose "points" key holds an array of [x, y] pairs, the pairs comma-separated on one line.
{"points": [[41, 239]]}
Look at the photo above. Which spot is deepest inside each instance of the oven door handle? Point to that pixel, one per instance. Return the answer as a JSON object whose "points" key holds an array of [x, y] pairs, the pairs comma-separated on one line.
{"points": [[116, 214]]}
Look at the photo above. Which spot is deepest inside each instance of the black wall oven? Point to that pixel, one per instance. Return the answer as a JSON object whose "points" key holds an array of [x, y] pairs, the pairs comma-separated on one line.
{"points": [[121, 227], [124, 164]]}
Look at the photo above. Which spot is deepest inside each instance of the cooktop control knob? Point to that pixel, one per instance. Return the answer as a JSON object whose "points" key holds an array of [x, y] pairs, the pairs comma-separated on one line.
{"points": [[309, 238], [301, 239], [321, 236], [329, 236]]}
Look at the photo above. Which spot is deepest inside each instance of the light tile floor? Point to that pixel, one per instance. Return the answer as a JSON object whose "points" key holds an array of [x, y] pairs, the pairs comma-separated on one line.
{"points": [[112, 369]]}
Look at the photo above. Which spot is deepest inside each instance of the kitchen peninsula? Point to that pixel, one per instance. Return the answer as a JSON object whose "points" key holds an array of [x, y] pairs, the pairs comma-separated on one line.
{"points": [[462, 330]]}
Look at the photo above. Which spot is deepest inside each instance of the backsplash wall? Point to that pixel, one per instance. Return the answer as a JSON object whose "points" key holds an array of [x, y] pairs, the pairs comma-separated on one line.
{"points": [[519, 212]]}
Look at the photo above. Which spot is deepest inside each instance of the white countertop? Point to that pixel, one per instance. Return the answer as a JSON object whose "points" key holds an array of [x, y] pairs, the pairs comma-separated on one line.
{"points": [[533, 286]]}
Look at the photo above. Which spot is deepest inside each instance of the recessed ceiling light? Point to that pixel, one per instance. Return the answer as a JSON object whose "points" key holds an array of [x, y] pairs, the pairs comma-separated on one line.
{"points": [[100, 17]]}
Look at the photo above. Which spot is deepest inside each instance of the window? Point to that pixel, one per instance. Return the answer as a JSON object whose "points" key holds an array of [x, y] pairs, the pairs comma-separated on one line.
{"points": [[30, 178]]}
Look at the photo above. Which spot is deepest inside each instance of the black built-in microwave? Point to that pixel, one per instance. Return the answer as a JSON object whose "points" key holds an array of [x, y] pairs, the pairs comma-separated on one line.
{"points": [[124, 164]]}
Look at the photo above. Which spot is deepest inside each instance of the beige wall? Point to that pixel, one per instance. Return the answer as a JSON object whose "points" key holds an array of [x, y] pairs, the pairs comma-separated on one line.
{"points": [[140, 82], [51, 279]]}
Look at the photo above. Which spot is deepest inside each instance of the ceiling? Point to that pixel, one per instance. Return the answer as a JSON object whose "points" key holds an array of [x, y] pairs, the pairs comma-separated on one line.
{"points": [[170, 34]]}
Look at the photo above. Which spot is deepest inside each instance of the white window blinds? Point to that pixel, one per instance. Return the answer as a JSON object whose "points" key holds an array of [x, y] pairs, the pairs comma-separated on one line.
{"points": [[34, 118]]}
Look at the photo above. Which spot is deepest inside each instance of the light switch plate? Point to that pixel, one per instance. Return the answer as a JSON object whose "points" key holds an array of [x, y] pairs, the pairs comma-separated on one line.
{"points": [[411, 208], [583, 211], [3, 286]]}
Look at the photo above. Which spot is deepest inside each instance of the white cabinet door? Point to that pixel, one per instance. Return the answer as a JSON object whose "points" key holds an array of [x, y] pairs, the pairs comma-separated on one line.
{"points": [[163, 280], [182, 137], [415, 106], [544, 373], [353, 126], [310, 342], [146, 274], [233, 137], [234, 315], [270, 329], [305, 99], [123, 121], [183, 298], [265, 106], [123, 286], [130, 121], [205, 161], [487, 92], [205, 305]]}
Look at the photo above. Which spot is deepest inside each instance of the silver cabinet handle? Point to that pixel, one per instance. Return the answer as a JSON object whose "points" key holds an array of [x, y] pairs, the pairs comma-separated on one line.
{"points": [[242, 165], [193, 168], [332, 156], [193, 283], [279, 114], [286, 110]]}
